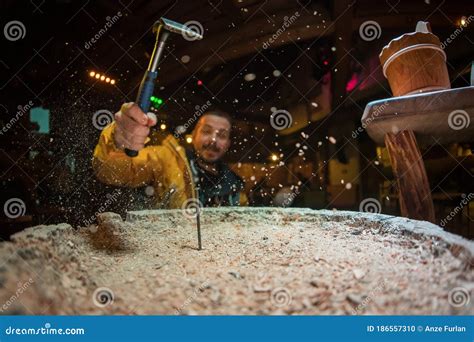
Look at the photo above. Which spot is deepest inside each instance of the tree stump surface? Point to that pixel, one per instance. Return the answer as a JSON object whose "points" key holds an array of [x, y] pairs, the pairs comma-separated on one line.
{"points": [[254, 261]]}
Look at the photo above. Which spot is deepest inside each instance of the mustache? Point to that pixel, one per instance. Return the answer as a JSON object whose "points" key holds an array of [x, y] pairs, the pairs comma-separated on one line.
{"points": [[212, 147]]}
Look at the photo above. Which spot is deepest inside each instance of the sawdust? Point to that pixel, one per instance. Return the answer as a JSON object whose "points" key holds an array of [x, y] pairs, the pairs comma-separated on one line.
{"points": [[255, 261]]}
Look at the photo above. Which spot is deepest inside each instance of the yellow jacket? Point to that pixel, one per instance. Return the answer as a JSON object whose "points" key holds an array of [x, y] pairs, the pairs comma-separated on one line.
{"points": [[164, 167]]}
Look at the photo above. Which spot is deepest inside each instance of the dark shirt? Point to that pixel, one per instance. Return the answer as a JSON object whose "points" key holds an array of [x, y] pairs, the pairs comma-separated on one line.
{"points": [[214, 190]]}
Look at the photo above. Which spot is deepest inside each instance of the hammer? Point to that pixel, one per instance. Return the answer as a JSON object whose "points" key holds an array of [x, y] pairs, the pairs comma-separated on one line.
{"points": [[162, 28]]}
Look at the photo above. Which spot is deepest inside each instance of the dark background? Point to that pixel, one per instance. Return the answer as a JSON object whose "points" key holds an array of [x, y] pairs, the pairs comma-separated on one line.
{"points": [[322, 50]]}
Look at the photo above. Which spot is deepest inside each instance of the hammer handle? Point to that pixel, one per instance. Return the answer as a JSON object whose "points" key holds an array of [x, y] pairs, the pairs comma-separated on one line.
{"points": [[143, 99]]}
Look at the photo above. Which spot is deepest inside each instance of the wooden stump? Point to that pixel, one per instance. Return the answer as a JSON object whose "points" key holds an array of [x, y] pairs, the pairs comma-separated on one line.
{"points": [[409, 170]]}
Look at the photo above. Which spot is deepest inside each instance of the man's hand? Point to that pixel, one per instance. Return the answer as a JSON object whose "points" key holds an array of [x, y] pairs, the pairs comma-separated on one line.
{"points": [[132, 127]]}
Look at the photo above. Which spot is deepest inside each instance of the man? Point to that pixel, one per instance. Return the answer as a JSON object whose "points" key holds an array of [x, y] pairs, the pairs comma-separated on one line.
{"points": [[175, 173]]}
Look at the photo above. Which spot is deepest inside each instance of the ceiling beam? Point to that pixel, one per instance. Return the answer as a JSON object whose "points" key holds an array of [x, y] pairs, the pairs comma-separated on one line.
{"points": [[250, 38]]}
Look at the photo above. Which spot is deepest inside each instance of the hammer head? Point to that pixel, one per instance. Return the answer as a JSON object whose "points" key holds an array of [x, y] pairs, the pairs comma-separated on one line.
{"points": [[192, 31]]}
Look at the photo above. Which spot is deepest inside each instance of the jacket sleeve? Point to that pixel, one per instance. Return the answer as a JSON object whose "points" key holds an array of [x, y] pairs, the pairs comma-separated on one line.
{"points": [[112, 166]]}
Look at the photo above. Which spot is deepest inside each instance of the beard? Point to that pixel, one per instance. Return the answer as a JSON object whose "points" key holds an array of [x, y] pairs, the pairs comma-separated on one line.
{"points": [[201, 154], [211, 147]]}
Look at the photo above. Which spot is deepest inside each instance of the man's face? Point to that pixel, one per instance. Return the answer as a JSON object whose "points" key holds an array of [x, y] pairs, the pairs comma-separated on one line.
{"points": [[211, 137]]}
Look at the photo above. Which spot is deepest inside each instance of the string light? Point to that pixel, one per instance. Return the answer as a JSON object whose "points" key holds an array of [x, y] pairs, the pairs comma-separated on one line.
{"points": [[163, 126], [101, 77]]}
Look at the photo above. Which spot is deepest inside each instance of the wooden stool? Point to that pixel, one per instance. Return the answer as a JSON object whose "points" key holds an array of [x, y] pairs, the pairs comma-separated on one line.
{"points": [[406, 122]]}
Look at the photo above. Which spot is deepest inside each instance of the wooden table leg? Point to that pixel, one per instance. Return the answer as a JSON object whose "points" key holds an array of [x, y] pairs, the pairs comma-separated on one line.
{"points": [[409, 170]]}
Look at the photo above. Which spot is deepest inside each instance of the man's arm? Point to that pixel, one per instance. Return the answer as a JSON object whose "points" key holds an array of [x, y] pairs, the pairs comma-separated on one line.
{"points": [[111, 165]]}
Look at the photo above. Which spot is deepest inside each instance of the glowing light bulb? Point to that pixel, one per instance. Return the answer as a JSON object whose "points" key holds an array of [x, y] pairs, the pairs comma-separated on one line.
{"points": [[107, 80], [92, 74], [189, 140], [112, 81], [97, 76], [163, 127]]}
